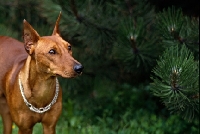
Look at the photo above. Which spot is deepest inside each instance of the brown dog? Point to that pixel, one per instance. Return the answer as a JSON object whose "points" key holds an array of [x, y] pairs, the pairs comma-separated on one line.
{"points": [[29, 90]]}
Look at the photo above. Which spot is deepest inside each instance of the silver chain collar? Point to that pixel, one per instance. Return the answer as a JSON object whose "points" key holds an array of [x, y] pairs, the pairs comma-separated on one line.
{"points": [[42, 109]]}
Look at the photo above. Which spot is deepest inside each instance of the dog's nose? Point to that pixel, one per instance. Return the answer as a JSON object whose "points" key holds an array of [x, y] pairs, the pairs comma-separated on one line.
{"points": [[78, 68]]}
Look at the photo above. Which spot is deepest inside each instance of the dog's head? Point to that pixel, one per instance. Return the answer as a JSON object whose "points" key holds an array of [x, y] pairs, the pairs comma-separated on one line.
{"points": [[52, 54]]}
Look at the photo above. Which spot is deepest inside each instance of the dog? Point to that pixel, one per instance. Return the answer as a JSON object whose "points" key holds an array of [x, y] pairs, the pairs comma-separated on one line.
{"points": [[29, 88]]}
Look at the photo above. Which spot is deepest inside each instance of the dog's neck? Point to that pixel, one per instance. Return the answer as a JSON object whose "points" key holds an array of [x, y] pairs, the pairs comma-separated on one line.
{"points": [[39, 87]]}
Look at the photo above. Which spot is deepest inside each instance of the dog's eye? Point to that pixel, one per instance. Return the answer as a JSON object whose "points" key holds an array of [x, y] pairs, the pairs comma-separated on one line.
{"points": [[69, 47], [52, 51]]}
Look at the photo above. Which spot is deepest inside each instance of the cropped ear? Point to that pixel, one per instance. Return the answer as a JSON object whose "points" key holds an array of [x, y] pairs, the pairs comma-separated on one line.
{"points": [[56, 30], [30, 37]]}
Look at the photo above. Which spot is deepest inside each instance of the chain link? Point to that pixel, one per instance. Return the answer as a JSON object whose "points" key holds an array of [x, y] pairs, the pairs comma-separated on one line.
{"points": [[42, 109]]}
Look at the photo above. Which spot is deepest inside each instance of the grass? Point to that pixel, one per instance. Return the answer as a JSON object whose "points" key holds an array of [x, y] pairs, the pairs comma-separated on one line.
{"points": [[63, 127], [142, 123]]}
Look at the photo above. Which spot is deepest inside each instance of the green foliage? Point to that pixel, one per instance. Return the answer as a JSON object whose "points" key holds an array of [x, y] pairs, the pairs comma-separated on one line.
{"points": [[7, 32], [177, 74], [130, 112], [176, 82], [133, 9], [16, 12], [170, 23], [135, 45], [175, 28]]}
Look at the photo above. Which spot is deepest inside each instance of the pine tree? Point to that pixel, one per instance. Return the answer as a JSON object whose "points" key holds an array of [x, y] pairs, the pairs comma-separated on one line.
{"points": [[177, 81]]}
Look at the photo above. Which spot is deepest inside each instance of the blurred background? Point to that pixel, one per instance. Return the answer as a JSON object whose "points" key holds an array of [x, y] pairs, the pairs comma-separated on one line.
{"points": [[120, 44]]}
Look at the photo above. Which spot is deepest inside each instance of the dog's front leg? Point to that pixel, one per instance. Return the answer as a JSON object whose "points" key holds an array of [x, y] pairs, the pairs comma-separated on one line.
{"points": [[47, 129], [25, 124], [6, 117], [25, 131], [7, 123], [50, 120]]}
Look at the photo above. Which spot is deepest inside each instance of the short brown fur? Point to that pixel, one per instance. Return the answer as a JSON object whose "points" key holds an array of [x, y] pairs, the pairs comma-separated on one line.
{"points": [[37, 68]]}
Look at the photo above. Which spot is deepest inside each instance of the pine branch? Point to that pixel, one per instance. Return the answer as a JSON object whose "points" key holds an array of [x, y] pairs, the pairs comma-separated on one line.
{"points": [[176, 36], [85, 21], [176, 82], [173, 26], [75, 11], [170, 23], [135, 45], [129, 6]]}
